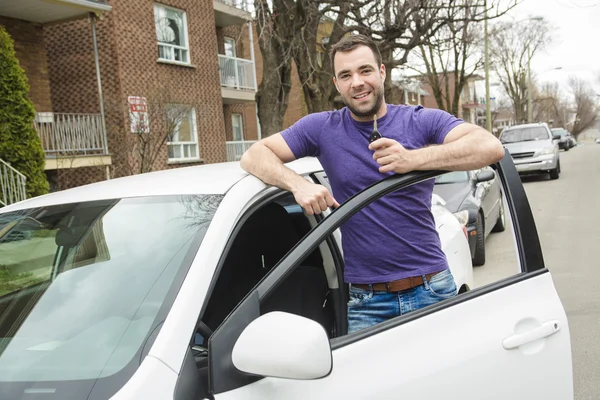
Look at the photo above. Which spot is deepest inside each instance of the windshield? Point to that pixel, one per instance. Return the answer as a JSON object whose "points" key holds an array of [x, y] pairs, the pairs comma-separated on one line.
{"points": [[81, 285], [524, 134], [559, 131], [452, 177]]}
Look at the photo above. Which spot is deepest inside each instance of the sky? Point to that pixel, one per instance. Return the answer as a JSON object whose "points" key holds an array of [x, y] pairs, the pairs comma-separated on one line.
{"points": [[576, 40]]}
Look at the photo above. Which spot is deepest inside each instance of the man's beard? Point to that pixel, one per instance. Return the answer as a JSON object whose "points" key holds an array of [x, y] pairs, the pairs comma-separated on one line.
{"points": [[370, 112]]}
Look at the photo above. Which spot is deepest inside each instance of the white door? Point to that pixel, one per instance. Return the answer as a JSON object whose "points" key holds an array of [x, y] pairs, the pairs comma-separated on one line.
{"points": [[507, 340]]}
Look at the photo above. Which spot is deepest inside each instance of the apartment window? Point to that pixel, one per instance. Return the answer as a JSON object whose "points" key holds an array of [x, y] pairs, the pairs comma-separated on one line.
{"points": [[183, 140], [171, 34], [230, 47], [238, 127]]}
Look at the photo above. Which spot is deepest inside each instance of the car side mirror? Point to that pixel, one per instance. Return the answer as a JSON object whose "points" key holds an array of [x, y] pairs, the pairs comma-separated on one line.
{"points": [[283, 345], [485, 176], [556, 137]]}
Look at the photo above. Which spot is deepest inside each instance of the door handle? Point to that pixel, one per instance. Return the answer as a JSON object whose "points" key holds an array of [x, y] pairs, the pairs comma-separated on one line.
{"points": [[546, 329]]}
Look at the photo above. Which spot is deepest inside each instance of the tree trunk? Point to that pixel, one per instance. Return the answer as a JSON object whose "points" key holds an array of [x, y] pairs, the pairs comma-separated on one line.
{"points": [[276, 31], [273, 92]]}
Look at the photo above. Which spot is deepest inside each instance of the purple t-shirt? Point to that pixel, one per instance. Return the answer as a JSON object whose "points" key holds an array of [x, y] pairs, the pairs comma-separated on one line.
{"points": [[394, 237]]}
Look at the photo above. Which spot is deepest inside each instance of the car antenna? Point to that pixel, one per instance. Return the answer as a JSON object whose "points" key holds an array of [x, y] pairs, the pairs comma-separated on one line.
{"points": [[375, 134]]}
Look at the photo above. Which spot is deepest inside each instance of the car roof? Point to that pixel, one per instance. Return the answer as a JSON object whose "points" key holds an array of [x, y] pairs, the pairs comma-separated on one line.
{"points": [[204, 179]]}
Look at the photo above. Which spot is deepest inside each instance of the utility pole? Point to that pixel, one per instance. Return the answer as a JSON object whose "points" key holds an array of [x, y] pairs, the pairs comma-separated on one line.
{"points": [[529, 101], [486, 61]]}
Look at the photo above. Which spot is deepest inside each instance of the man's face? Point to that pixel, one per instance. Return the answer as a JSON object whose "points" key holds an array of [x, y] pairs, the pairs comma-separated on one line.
{"points": [[359, 79]]}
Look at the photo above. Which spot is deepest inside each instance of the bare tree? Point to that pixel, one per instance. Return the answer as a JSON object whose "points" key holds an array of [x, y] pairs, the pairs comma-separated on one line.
{"points": [[305, 30], [549, 105], [513, 47], [586, 108], [277, 25], [154, 120]]}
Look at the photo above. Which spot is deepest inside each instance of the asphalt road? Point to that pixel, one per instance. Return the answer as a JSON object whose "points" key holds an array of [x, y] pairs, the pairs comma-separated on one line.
{"points": [[567, 215]]}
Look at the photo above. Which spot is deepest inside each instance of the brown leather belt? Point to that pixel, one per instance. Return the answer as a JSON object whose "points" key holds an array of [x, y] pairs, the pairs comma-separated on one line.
{"points": [[396, 286]]}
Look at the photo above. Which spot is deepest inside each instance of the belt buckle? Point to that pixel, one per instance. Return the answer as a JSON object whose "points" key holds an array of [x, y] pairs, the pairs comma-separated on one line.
{"points": [[387, 287]]}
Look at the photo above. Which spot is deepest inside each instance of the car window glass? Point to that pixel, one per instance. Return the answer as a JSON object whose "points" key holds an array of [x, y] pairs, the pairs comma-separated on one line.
{"points": [[524, 134], [90, 274], [457, 226]]}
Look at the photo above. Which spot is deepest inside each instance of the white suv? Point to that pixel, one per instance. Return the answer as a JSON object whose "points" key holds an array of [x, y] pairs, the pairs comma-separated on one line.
{"points": [[534, 148]]}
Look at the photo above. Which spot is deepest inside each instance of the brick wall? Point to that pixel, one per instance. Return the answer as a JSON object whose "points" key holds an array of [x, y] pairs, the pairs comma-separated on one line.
{"points": [[69, 178], [296, 104], [28, 38]]}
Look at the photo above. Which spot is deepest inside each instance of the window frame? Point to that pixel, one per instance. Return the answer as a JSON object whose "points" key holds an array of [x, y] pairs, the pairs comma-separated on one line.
{"points": [[184, 49], [231, 40], [241, 126], [182, 144]]}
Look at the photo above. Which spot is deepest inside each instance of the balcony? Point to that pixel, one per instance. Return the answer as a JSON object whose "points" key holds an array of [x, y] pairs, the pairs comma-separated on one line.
{"points": [[72, 140], [238, 80], [236, 149], [231, 12]]}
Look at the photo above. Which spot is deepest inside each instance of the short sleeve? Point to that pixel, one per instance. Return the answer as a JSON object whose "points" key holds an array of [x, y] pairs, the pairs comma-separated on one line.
{"points": [[303, 136], [435, 124]]}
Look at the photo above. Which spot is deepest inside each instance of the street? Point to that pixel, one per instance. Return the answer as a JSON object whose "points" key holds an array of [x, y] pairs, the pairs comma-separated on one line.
{"points": [[567, 214]]}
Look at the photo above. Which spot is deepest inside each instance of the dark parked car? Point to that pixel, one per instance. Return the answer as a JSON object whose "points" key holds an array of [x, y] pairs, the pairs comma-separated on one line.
{"points": [[478, 193], [566, 139]]}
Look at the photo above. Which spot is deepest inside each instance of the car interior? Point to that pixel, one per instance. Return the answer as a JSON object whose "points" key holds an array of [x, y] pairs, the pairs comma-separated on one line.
{"points": [[264, 239]]}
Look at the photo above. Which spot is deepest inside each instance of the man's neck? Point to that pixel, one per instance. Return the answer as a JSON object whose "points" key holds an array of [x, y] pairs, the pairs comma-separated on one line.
{"points": [[380, 113]]}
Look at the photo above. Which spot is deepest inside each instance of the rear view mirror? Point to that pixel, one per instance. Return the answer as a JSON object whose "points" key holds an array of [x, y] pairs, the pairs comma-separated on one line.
{"points": [[485, 176], [556, 137], [283, 345]]}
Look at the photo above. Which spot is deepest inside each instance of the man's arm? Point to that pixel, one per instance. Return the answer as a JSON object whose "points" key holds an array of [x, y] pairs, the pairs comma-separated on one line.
{"points": [[265, 160], [465, 147]]}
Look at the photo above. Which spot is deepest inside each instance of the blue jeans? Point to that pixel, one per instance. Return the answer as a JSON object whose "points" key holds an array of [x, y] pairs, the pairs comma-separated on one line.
{"points": [[368, 307]]}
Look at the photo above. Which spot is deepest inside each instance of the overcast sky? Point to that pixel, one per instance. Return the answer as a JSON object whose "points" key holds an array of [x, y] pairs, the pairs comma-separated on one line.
{"points": [[576, 40]]}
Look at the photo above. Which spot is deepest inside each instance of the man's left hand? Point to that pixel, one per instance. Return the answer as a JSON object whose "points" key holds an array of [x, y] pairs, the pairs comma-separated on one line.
{"points": [[392, 156]]}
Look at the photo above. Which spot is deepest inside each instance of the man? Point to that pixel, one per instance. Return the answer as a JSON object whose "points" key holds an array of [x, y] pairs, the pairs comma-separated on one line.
{"points": [[393, 257]]}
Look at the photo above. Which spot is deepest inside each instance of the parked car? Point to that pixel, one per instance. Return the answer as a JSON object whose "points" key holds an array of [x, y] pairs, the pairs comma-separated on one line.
{"points": [[566, 140], [597, 140], [533, 148], [478, 193], [203, 282]]}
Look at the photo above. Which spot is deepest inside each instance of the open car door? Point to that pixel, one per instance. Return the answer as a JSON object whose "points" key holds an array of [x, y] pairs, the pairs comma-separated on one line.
{"points": [[506, 340]]}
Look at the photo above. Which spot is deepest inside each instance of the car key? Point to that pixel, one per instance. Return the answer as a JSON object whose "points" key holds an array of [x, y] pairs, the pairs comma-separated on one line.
{"points": [[375, 134]]}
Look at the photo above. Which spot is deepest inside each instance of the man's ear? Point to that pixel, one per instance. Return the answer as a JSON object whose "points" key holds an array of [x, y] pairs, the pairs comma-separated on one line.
{"points": [[336, 85], [382, 72]]}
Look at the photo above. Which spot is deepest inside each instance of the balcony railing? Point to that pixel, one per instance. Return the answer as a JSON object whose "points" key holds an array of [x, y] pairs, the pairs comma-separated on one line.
{"points": [[71, 135], [241, 4], [237, 148], [237, 73], [12, 184]]}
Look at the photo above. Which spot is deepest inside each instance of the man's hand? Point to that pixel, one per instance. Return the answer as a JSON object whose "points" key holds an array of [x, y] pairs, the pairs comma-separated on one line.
{"points": [[392, 156], [313, 198]]}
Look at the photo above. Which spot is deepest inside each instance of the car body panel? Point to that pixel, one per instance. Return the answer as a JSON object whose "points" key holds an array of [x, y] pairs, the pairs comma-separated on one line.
{"points": [[420, 361]]}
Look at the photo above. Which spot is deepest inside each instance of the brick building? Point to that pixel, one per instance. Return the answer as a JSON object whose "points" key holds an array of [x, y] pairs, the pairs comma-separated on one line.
{"points": [[191, 56], [471, 106]]}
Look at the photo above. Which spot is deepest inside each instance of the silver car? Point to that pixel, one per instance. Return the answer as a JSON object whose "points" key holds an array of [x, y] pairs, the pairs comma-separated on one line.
{"points": [[534, 148]]}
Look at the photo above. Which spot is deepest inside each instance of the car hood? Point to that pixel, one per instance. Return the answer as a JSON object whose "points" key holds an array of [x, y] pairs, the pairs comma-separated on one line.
{"points": [[526, 147], [453, 194]]}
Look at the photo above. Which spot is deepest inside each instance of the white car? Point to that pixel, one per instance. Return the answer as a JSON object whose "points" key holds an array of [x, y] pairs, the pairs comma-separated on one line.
{"points": [[169, 285]]}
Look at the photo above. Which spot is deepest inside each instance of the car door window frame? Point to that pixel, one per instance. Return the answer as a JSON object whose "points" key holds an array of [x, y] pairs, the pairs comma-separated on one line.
{"points": [[224, 376]]}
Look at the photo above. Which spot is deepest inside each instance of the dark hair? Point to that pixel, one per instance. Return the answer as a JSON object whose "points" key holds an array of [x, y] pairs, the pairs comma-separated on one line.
{"points": [[351, 42]]}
